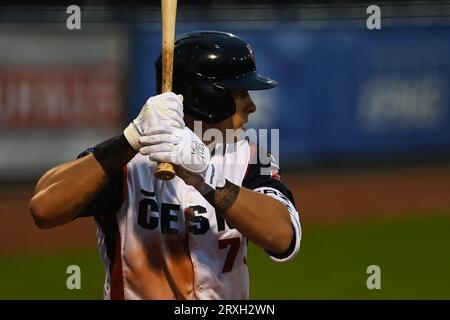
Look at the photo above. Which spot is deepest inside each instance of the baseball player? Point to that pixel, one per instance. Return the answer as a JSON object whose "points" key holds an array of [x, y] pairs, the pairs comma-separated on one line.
{"points": [[184, 238]]}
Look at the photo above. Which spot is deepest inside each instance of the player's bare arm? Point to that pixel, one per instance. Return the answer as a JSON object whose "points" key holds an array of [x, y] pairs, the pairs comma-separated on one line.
{"points": [[65, 190], [246, 210]]}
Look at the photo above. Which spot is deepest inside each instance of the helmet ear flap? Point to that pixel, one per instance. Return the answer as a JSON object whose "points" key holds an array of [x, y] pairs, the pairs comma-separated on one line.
{"points": [[202, 99], [207, 101]]}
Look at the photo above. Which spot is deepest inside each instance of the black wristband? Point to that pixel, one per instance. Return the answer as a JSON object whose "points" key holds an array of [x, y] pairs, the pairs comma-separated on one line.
{"points": [[113, 154]]}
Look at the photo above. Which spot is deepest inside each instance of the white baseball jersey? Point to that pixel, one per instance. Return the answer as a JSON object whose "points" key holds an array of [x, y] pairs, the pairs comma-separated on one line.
{"points": [[152, 250]]}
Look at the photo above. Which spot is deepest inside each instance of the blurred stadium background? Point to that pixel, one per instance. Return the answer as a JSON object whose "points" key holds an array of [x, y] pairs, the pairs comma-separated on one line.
{"points": [[364, 119]]}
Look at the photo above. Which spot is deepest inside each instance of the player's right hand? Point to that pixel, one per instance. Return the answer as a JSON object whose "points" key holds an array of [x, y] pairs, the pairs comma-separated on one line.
{"points": [[163, 109], [186, 151]]}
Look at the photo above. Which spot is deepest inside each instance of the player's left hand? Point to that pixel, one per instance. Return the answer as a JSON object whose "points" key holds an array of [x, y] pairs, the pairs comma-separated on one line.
{"points": [[186, 151], [165, 108]]}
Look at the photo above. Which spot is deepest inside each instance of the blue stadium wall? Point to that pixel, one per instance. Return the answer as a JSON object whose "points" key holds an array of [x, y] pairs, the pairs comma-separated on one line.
{"points": [[343, 94]]}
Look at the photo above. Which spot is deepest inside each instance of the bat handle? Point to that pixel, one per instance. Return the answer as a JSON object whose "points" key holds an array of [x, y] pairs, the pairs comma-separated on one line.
{"points": [[165, 171]]}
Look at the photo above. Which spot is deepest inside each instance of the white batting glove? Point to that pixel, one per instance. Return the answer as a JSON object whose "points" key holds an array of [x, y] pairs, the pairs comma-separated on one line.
{"points": [[163, 109], [182, 148]]}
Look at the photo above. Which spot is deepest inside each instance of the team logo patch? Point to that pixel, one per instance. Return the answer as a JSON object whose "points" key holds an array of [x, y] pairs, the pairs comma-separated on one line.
{"points": [[278, 195], [198, 150], [275, 174]]}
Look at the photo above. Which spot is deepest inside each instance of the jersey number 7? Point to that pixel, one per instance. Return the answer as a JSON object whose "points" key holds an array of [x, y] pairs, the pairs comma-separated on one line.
{"points": [[234, 244]]}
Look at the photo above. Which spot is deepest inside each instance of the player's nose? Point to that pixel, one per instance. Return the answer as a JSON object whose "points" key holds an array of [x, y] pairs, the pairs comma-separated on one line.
{"points": [[250, 106]]}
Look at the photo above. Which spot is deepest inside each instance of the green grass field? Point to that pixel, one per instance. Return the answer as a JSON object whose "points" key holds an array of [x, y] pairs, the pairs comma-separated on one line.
{"points": [[412, 253], [413, 256]]}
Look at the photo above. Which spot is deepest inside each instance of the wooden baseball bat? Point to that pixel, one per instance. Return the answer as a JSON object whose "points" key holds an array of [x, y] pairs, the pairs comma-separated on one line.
{"points": [[164, 170]]}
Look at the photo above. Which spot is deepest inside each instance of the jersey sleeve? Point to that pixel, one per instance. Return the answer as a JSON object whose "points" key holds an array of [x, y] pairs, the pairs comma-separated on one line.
{"points": [[108, 199], [263, 176]]}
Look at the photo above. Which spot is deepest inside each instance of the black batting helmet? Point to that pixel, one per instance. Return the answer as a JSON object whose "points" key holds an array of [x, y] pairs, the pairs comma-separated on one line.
{"points": [[207, 64]]}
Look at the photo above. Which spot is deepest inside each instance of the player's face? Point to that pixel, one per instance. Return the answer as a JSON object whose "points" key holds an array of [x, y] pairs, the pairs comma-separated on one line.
{"points": [[244, 107]]}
